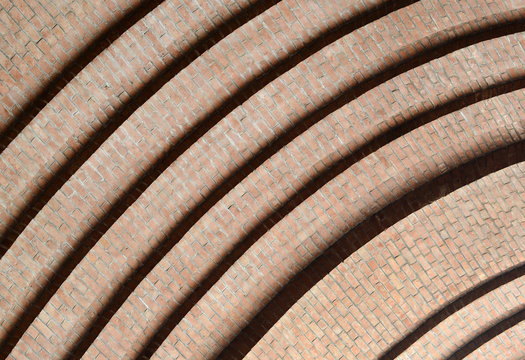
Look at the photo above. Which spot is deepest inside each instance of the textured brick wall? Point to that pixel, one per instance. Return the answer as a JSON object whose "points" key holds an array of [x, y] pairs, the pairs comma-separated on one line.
{"points": [[262, 179]]}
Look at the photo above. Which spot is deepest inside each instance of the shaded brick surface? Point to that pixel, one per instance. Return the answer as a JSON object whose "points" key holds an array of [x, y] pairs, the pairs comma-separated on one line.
{"points": [[508, 345], [385, 289], [39, 38], [171, 170]]}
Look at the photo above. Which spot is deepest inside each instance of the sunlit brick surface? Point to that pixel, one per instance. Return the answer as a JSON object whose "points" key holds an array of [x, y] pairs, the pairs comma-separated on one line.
{"points": [[268, 179]]}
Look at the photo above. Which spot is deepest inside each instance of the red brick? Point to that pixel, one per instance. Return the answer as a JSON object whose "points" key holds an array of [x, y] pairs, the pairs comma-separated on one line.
{"points": [[280, 129]]}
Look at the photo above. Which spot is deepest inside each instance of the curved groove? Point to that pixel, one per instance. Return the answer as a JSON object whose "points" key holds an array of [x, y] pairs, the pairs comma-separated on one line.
{"points": [[452, 307], [53, 184], [243, 94], [60, 80], [185, 225], [362, 234], [482, 338], [310, 188], [167, 244], [162, 164]]}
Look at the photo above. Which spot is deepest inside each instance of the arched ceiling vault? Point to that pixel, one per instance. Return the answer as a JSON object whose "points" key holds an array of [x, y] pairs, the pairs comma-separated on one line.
{"points": [[294, 179]]}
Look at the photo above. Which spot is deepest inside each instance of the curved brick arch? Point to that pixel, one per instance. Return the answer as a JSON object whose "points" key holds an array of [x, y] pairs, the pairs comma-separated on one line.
{"points": [[199, 160], [322, 217], [414, 262], [502, 346], [237, 233]]}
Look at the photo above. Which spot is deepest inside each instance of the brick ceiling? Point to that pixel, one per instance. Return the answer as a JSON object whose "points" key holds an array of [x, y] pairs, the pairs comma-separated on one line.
{"points": [[295, 179]]}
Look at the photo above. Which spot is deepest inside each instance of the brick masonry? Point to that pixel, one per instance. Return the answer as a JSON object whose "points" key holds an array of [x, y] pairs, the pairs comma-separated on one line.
{"points": [[269, 179]]}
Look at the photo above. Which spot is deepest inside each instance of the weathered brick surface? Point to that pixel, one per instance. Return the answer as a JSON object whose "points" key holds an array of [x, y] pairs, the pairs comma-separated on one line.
{"points": [[200, 163], [284, 174], [39, 38], [507, 345], [386, 288]]}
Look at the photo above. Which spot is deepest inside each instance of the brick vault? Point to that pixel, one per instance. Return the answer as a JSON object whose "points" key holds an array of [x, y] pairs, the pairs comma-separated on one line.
{"points": [[294, 179]]}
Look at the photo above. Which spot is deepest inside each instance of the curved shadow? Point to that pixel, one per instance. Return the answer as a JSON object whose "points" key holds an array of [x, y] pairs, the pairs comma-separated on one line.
{"points": [[310, 188], [52, 185], [461, 301], [185, 225], [136, 189], [490, 333], [90, 239], [60, 80], [362, 234]]}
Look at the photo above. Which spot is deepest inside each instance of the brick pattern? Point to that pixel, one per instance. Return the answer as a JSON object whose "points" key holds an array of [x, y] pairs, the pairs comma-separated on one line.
{"points": [[508, 345], [201, 249], [409, 271], [175, 184], [38, 38]]}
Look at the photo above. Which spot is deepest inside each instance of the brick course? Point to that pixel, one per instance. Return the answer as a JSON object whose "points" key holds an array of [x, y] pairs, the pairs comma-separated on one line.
{"points": [[412, 269], [39, 38], [205, 156]]}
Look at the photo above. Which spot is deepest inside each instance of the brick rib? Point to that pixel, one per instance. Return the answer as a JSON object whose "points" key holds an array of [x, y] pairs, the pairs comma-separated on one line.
{"points": [[409, 272], [501, 326], [452, 307], [313, 186], [115, 304], [178, 232], [63, 174], [59, 80], [363, 233]]}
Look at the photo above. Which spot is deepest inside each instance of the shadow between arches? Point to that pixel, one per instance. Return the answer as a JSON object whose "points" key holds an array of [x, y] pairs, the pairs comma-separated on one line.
{"points": [[460, 302], [310, 188], [362, 234]]}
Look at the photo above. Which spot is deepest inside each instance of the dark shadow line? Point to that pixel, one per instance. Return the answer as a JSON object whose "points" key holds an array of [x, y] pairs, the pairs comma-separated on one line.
{"points": [[136, 189], [139, 187], [61, 79], [361, 235], [460, 302], [184, 226], [490, 333], [310, 188], [61, 176], [49, 189]]}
